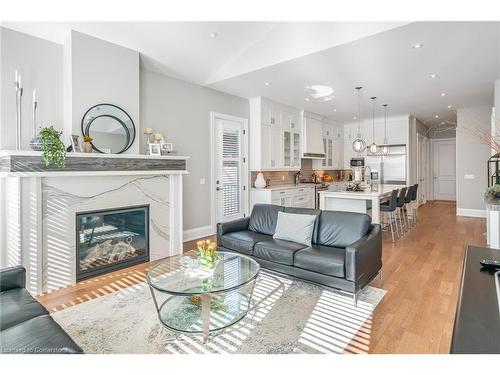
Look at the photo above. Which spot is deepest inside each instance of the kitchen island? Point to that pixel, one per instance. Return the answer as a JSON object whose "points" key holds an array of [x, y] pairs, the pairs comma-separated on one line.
{"points": [[356, 201]]}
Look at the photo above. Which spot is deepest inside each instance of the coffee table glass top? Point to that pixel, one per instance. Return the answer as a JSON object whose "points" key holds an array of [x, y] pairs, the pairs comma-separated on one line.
{"points": [[180, 274]]}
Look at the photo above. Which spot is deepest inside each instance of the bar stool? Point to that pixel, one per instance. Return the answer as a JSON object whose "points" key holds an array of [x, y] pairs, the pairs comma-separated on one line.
{"points": [[399, 208], [389, 208], [414, 203], [407, 207]]}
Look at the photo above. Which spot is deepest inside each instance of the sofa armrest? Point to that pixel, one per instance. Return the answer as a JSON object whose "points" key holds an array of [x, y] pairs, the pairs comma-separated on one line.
{"points": [[231, 226], [364, 257], [12, 278]]}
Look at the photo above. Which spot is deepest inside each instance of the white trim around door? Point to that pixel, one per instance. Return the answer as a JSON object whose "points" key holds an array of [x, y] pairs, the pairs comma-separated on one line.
{"points": [[214, 116]]}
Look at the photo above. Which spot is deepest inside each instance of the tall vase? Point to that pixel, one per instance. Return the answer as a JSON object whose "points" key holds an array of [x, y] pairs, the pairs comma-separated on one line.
{"points": [[259, 181]]}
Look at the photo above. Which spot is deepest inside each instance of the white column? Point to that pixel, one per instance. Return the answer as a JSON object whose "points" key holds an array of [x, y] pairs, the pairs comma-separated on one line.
{"points": [[375, 210]]}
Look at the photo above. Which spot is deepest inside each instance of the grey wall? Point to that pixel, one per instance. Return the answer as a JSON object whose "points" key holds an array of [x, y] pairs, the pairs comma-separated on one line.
{"points": [[471, 157], [181, 112], [103, 72], [40, 64]]}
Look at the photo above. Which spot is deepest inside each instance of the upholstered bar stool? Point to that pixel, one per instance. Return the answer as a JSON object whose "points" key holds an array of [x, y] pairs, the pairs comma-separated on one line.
{"points": [[388, 209], [399, 208], [414, 204], [407, 208]]}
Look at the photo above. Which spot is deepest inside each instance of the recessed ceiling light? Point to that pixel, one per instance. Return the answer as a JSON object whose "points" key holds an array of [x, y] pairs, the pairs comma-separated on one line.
{"points": [[442, 122], [443, 94], [436, 116], [418, 45], [266, 83], [213, 35], [335, 110], [307, 99], [450, 107], [433, 75], [354, 118]]}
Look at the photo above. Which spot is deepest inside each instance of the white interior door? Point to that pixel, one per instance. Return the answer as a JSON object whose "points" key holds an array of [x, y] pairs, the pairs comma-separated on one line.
{"points": [[230, 168], [443, 162], [422, 168]]}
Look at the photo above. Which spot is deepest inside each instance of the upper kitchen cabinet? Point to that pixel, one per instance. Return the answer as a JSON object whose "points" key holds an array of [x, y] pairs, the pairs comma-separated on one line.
{"points": [[333, 144], [275, 136]]}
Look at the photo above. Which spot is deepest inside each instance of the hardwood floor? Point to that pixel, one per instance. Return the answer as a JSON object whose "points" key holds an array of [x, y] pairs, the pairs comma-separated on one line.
{"points": [[421, 274]]}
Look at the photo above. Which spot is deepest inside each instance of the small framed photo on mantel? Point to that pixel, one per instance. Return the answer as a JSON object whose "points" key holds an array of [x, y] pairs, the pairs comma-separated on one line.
{"points": [[75, 143], [166, 148], [154, 149]]}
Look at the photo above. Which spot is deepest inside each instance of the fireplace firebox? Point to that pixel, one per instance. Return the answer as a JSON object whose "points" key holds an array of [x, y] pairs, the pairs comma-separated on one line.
{"points": [[108, 240]]}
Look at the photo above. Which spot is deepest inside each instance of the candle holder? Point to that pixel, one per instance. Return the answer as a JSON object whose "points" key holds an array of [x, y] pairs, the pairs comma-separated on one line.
{"points": [[19, 112], [36, 141]]}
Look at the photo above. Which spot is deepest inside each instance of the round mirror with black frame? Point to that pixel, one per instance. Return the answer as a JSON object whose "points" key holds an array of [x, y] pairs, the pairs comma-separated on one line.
{"points": [[111, 128]]}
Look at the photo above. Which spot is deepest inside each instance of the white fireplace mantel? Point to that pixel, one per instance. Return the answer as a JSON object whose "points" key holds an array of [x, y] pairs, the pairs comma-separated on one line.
{"points": [[38, 207]]}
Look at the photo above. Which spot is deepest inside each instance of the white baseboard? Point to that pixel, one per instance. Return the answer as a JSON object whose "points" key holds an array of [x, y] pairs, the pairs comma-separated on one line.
{"points": [[195, 233], [471, 212]]}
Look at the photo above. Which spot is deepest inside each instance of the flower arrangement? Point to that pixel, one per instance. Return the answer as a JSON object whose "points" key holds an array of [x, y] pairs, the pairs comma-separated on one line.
{"points": [[492, 195], [53, 150], [208, 253], [87, 146]]}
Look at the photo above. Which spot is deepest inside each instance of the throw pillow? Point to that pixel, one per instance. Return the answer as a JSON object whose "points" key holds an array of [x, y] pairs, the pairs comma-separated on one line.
{"points": [[295, 227]]}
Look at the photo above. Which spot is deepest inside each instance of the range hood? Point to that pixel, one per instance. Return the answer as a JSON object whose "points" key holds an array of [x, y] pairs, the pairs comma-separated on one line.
{"points": [[312, 138]]}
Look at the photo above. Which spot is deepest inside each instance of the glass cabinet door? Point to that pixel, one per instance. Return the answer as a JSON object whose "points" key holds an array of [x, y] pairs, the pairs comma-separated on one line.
{"points": [[287, 149], [330, 152], [323, 161], [296, 149]]}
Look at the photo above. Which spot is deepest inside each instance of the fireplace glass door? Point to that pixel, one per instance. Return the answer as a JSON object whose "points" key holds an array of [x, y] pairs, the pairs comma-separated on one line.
{"points": [[110, 240]]}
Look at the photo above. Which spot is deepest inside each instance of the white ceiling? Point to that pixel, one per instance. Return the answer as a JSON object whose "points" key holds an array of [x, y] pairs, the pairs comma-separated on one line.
{"points": [[464, 55], [292, 55], [185, 50]]}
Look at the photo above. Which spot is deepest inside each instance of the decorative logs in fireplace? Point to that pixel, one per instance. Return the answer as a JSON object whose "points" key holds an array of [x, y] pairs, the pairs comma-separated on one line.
{"points": [[107, 252]]}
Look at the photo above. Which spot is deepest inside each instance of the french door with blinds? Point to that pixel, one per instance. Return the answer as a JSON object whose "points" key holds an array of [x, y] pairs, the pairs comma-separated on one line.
{"points": [[230, 168]]}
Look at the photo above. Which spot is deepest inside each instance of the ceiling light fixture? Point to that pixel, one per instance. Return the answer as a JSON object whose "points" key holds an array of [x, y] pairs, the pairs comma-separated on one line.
{"points": [[449, 107], [443, 94], [436, 116], [266, 83], [307, 99], [417, 46], [213, 35], [433, 75], [442, 122], [335, 110], [373, 146], [385, 148], [359, 145]]}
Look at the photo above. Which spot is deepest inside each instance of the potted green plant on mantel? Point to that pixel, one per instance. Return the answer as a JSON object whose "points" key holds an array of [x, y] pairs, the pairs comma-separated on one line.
{"points": [[53, 150]]}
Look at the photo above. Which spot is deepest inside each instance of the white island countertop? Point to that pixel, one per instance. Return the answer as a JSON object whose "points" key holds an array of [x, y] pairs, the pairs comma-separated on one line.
{"points": [[367, 194]]}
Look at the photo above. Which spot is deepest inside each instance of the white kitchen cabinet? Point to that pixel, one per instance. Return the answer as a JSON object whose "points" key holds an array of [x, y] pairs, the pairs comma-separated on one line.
{"points": [[275, 136], [296, 196], [333, 145]]}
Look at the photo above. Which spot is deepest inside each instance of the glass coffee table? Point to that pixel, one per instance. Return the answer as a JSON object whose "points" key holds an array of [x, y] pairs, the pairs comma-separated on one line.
{"points": [[202, 301]]}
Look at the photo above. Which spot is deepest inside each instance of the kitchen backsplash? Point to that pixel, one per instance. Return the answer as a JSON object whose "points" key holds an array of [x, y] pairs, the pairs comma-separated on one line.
{"points": [[282, 178]]}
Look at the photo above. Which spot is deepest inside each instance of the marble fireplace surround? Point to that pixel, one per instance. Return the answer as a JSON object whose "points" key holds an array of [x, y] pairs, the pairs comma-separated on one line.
{"points": [[39, 206]]}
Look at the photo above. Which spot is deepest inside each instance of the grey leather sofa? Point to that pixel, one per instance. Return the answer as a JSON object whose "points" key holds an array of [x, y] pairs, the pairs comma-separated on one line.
{"points": [[25, 325], [346, 250]]}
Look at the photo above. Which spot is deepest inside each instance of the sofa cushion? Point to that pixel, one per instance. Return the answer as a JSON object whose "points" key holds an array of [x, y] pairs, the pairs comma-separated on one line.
{"points": [[295, 227], [322, 259], [38, 335], [307, 211], [278, 251], [341, 229], [263, 218], [16, 306], [242, 241]]}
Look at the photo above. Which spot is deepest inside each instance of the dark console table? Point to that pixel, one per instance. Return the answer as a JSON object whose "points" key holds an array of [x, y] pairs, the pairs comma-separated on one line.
{"points": [[477, 321]]}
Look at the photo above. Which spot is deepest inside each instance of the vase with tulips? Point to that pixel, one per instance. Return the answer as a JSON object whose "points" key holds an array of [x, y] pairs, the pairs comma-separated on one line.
{"points": [[208, 253]]}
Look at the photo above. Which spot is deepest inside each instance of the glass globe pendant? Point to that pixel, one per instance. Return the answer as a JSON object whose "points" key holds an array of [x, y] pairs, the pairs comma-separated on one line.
{"points": [[373, 147], [359, 145], [385, 148]]}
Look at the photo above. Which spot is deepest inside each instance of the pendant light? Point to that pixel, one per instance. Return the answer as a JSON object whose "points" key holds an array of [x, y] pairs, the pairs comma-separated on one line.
{"points": [[373, 146], [359, 145], [385, 148]]}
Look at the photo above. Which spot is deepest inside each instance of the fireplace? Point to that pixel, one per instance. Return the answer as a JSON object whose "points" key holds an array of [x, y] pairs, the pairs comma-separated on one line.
{"points": [[108, 240]]}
